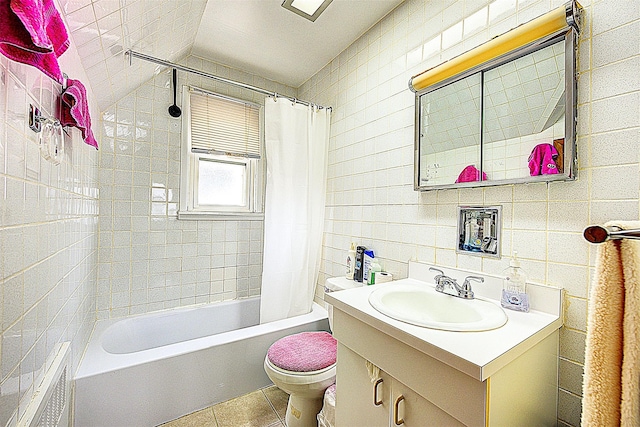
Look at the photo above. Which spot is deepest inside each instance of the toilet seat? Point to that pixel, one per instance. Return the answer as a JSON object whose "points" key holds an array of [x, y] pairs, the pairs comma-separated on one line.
{"points": [[290, 378], [306, 352], [287, 372]]}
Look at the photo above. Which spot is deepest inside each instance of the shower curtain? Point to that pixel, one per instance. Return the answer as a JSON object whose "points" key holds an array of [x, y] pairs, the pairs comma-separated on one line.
{"points": [[296, 144]]}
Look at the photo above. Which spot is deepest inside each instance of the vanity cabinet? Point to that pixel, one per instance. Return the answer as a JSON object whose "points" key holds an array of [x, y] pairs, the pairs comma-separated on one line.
{"points": [[383, 403], [354, 386], [431, 391]]}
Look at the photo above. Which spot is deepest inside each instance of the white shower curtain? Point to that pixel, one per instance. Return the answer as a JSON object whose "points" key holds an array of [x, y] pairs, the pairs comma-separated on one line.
{"points": [[296, 143]]}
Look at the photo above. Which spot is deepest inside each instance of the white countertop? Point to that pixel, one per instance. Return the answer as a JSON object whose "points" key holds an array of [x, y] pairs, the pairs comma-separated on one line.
{"points": [[478, 354]]}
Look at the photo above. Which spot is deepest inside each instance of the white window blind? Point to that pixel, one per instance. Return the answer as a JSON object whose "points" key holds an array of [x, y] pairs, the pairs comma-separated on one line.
{"points": [[221, 125]]}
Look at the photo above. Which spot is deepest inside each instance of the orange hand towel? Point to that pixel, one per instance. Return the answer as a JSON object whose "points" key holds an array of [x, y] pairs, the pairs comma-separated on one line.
{"points": [[611, 388]]}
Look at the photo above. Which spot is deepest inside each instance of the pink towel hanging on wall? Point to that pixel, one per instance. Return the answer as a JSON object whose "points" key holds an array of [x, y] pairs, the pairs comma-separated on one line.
{"points": [[75, 110], [33, 33]]}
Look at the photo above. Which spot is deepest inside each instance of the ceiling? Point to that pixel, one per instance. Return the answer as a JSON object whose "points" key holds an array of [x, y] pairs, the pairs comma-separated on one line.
{"points": [[256, 36], [266, 39]]}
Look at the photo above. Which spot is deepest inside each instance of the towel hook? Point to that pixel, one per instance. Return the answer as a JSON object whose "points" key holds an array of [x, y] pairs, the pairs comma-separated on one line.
{"points": [[36, 119]]}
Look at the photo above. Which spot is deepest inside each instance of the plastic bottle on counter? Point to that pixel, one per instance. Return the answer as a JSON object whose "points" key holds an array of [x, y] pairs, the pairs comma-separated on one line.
{"points": [[359, 267], [351, 261], [373, 269], [368, 260]]}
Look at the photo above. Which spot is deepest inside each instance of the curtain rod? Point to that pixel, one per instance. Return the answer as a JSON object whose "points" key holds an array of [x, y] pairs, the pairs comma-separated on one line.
{"points": [[275, 95], [600, 234]]}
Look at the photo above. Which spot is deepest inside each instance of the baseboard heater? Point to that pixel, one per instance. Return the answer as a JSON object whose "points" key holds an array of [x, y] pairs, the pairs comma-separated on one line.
{"points": [[49, 406]]}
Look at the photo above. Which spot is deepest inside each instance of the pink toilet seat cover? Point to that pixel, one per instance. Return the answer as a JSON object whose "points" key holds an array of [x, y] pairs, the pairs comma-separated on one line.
{"points": [[304, 352]]}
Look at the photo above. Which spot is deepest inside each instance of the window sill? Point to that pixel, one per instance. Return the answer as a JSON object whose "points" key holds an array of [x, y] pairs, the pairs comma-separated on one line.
{"points": [[220, 216]]}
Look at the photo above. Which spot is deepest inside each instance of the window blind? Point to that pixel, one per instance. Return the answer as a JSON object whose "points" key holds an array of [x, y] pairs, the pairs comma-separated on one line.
{"points": [[221, 125]]}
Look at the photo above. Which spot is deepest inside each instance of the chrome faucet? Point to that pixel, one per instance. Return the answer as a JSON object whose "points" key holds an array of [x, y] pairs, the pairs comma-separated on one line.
{"points": [[448, 285]]}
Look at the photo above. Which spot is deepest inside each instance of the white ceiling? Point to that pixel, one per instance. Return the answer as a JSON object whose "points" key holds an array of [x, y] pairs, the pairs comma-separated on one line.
{"points": [[262, 37], [256, 36]]}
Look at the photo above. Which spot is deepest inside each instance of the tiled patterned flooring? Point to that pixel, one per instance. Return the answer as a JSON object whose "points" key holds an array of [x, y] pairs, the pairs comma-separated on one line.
{"points": [[262, 408]]}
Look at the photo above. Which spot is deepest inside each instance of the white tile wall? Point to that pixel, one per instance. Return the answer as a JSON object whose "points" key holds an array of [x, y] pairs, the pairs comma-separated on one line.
{"points": [[370, 196], [104, 29], [149, 260], [48, 237]]}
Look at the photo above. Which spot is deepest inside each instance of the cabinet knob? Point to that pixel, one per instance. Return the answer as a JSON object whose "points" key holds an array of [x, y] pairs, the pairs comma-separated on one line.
{"points": [[376, 401], [396, 411]]}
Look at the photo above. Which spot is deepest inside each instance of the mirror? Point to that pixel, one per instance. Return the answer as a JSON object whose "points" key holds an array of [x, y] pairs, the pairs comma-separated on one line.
{"points": [[523, 132], [450, 130], [509, 120]]}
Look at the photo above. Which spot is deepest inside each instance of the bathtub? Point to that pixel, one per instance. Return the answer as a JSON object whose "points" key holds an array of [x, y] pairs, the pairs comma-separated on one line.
{"points": [[149, 369]]}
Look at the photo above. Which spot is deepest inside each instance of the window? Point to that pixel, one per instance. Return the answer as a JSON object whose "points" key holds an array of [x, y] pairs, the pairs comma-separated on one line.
{"points": [[221, 168]]}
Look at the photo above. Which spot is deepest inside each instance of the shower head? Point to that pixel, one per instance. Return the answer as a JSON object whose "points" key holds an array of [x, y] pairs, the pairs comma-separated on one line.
{"points": [[174, 110]]}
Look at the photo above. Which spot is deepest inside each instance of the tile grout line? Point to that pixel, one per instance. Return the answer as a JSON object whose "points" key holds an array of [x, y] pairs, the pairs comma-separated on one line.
{"points": [[281, 419], [273, 408]]}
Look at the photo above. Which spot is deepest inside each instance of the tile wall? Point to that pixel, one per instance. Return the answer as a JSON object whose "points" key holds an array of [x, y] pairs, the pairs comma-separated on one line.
{"points": [[48, 237], [104, 29], [149, 260], [370, 196]]}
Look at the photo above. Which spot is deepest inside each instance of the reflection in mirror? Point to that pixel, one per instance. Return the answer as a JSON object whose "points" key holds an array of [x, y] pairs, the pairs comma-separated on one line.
{"points": [[524, 109], [450, 132]]}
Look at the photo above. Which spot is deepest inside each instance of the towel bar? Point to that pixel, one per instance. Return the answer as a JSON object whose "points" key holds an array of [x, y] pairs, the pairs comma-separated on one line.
{"points": [[600, 234]]}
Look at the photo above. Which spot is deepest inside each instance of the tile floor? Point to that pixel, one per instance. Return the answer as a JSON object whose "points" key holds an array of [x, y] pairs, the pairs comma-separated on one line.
{"points": [[262, 408]]}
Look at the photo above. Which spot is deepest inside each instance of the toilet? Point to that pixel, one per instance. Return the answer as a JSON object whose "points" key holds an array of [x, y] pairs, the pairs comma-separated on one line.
{"points": [[304, 365]]}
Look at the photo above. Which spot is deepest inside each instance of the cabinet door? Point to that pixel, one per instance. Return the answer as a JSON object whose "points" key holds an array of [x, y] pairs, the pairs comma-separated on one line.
{"points": [[355, 393], [409, 409]]}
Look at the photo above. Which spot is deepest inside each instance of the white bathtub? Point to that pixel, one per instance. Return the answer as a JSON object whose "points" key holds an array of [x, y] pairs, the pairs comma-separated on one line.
{"points": [[149, 369]]}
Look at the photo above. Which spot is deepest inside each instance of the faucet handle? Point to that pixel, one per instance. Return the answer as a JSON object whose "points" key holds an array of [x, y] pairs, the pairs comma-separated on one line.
{"points": [[438, 277], [466, 286], [438, 270], [474, 278]]}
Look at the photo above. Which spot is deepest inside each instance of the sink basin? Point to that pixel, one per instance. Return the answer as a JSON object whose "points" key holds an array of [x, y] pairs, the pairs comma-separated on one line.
{"points": [[422, 305]]}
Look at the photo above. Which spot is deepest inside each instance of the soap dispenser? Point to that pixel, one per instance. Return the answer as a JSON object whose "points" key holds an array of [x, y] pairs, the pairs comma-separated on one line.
{"points": [[514, 288]]}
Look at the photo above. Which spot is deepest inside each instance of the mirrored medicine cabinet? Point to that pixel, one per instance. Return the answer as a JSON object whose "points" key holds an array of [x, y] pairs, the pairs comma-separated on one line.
{"points": [[501, 115]]}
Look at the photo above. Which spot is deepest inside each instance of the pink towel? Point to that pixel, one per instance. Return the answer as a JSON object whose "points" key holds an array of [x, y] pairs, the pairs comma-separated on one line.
{"points": [[542, 160], [470, 174], [32, 32], [75, 110]]}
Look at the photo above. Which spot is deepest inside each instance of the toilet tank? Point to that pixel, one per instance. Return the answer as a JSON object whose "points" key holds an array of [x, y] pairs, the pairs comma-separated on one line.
{"points": [[337, 284]]}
